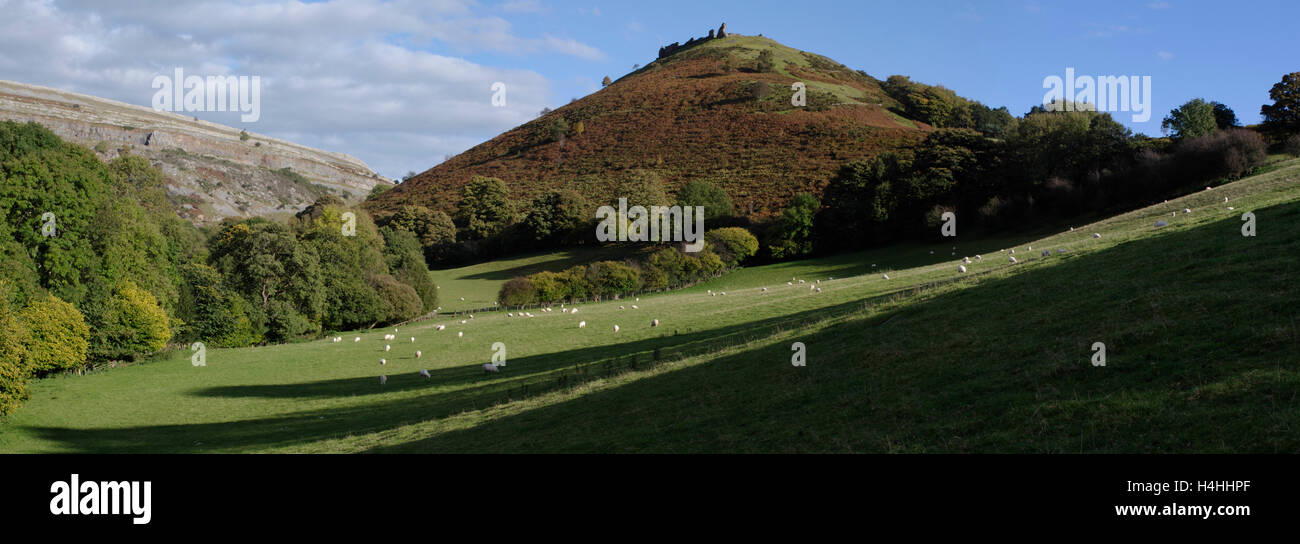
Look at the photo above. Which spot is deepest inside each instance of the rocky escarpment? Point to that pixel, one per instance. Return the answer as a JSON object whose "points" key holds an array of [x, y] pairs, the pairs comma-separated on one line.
{"points": [[213, 171]]}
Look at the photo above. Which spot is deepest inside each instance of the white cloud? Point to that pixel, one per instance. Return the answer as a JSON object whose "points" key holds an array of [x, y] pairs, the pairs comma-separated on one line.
{"points": [[1164, 55], [1160, 5], [524, 6], [355, 76]]}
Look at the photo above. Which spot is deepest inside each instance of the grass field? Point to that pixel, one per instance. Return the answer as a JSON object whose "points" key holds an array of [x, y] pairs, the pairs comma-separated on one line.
{"points": [[1200, 324]]}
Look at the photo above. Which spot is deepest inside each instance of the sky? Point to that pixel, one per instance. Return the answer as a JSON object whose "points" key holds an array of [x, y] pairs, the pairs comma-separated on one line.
{"points": [[404, 84]]}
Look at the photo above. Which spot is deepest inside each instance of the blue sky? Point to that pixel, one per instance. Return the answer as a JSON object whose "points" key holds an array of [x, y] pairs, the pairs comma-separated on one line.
{"points": [[402, 84]]}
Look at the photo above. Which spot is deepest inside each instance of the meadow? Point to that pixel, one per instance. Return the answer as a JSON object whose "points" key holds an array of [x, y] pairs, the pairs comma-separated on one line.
{"points": [[1200, 326]]}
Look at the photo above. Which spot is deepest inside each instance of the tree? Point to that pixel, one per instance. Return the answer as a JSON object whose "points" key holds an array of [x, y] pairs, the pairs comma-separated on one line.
{"points": [[1282, 117], [605, 82], [714, 199], [212, 314], [556, 216], [793, 234], [59, 337], [406, 263], [1191, 120], [277, 275], [765, 62], [485, 207], [1224, 117], [379, 189], [558, 129], [732, 244]]}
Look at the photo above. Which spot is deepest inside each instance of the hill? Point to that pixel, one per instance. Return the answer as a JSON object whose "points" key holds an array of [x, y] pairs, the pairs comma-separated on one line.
{"points": [[1197, 319], [212, 172], [708, 111]]}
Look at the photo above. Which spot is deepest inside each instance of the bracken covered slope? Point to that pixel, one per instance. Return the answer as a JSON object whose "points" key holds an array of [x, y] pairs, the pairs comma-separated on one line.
{"points": [[691, 115]]}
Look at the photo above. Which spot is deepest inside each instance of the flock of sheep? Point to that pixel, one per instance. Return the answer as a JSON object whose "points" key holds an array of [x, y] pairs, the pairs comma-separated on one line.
{"points": [[814, 287]]}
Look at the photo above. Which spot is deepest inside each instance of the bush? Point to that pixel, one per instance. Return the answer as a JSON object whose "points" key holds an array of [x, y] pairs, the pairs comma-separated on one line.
{"points": [[732, 244], [13, 352], [400, 301], [212, 314], [613, 278], [576, 283], [131, 324], [518, 291], [549, 286], [1293, 145], [714, 199], [59, 337]]}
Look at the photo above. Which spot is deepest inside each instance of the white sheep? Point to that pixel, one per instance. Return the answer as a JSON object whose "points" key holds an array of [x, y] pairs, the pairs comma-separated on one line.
{"points": [[388, 347], [1187, 210], [418, 354], [1030, 248], [383, 361], [460, 334], [1013, 260], [440, 327], [961, 268], [886, 276], [412, 339], [582, 324], [621, 308], [724, 293], [978, 258], [1047, 252], [819, 289], [575, 310], [654, 323], [510, 315], [1061, 250], [1230, 208], [383, 380], [764, 289], [489, 367], [357, 339], [425, 372], [1095, 235], [615, 328], [634, 307], [1161, 224], [462, 322], [965, 260]]}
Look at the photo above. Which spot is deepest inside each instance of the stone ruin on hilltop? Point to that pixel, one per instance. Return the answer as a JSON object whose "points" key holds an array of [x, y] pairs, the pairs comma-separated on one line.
{"points": [[677, 46]]}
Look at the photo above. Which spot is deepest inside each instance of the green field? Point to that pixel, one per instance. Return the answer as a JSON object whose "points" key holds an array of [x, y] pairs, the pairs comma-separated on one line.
{"points": [[1200, 325]]}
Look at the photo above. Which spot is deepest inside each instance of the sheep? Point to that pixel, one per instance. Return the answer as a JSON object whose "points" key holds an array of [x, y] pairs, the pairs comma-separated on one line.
{"points": [[383, 361], [764, 289], [1061, 250], [1161, 224], [489, 367], [885, 276], [621, 308], [961, 268], [1029, 248], [1230, 208], [462, 299], [634, 307], [873, 265], [724, 293], [1095, 235], [1187, 210], [582, 324], [425, 372], [460, 334], [464, 322], [412, 339], [1013, 260], [654, 323], [965, 260], [1013, 251], [510, 315], [932, 252], [802, 282], [789, 283], [388, 347], [811, 287], [1225, 200], [1047, 252], [575, 310], [441, 327], [819, 289], [383, 380], [418, 354], [978, 258], [357, 339], [615, 328]]}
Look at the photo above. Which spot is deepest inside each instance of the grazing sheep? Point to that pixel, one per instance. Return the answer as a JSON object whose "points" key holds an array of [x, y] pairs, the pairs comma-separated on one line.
{"points": [[764, 289], [441, 327], [1161, 224], [615, 328], [1030, 248], [357, 339], [489, 367], [510, 315], [789, 283], [1095, 235], [654, 323], [724, 293], [961, 268], [1013, 251], [462, 299], [811, 287], [802, 282], [1187, 210], [1230, 208], [1225, 200], [978, 258], [388, 347], [463, 322], [582, 324], [1013, 260], [460, 334], [425, 372], [1047, 252], [383, 361], [634, 307], [1061, 250], [575, 310], [383, 380], [621, 308], [819, 289], [412, 339], [886, 276], [965, 260], [418, 354]]}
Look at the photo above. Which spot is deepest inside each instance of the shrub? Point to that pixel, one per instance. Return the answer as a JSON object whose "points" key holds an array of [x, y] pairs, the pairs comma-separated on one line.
{"points": [[576, 283], [714, 199], [400, 301], [732, 244], [549, 286], [518, 291], [13, 352], [58, 336], [131, 324], [613, 278], [1293, 145]]}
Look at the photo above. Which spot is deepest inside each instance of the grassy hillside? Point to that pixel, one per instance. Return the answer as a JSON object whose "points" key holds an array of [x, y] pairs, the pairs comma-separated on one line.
{"points": [[1199, 322], [686, 117]]}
